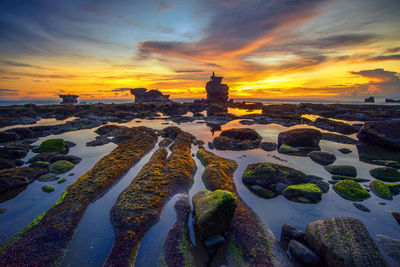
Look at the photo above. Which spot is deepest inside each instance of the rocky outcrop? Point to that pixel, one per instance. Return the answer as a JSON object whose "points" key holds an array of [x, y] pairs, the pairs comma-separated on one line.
{"points": [[302, 139], [217, 92], [69, 99], [143, 96], [335, 126], [370, 99], [382, 133], [343, 241], [17, 177], [237, 139]]}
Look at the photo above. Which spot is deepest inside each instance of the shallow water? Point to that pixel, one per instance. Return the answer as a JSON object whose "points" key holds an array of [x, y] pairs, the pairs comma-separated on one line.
{"points": [[41, 122], [94, 237]]}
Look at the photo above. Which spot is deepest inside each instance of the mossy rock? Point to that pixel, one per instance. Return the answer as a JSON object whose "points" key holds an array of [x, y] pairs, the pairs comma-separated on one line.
{"points": [[394, 188], [351, 190], [344, 170], [380, 189], [40, 164], [387, 174], [48, 177], [303, 193], [61, 166], [323, 158], [214, 211], [63, 180], [286, 149], [48, 188], [341, 177], [53, 145], [262, 192]]}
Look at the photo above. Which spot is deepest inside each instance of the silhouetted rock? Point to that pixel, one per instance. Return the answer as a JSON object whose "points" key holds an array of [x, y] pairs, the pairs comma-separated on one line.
{"points": [[389, 100], [370, 99], [69, 99], [217, 92], [382, 133], [142, 95]]}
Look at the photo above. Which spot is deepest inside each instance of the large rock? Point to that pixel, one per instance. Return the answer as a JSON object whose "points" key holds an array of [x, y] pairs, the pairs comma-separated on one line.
{"points": [[53, 145], [351, 190], [17, 177], [380, 189], [387, 174], [383, 133], [237, 139], [343, 241], [217, 92], [303, 254], [61, 166], [214, 211], [323, 158], [142, 95], [335, 126], [304, 138], [268, 175], [343, 170], [303, 193]]}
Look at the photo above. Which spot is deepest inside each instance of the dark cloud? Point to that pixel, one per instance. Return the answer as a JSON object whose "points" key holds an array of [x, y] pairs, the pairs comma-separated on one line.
{"points": [[384, 58], [8, 92], [39, 75], [120, 89], [344, 40], [188, 71], [163, 6], [19, 64], [393, 50], [10, 78], [386, 83]]}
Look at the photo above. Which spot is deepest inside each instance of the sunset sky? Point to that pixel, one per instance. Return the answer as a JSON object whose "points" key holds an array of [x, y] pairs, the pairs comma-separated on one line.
{"points": [[264, 49]]}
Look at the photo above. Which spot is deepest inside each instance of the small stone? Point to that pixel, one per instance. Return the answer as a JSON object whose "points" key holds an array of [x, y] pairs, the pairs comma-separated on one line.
{"points": [[382, 203], [361, 207], [61, 166], [2, 210], [48, 188], [63, 180], [284, 148], [386, 174], [71, 174], [303, 193], [214, 241], [268, 146], [303, 254], [351, 190], [40, 164], [290, 232], [280, 187], [396, 215], [48, 177], [323, 158], [52, 145], [319, 181], [344, 150], [262, 192], [344, 170]]}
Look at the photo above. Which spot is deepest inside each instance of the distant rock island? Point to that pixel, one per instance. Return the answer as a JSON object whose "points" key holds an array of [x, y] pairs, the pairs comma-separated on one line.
{"points": [[217, 92], [370, 99], [388, 100], [143, 96], [69, 99]]}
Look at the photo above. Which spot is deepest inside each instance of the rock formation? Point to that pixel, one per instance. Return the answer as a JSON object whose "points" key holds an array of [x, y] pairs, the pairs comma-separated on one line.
{"points": [[217, 92], [370, 99], [142, 95], [69, 99]]}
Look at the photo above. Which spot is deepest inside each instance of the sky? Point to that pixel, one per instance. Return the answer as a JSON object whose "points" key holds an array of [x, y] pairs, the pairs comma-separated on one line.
{"points": [[291, 49]]}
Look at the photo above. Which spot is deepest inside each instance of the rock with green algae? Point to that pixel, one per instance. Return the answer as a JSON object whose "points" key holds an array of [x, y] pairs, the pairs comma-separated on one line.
{"points": [[48, 177], [61, 166], [343, 170], [262, 192], [323, 158], [214, 211], [303, 193], [343, 241], [394, 188], [48, 188], [63, 180], [380, 189], [40, 164], [386, 174], [351, 190], [286, 149], [53, 145], [341, 177], [266, 174]]}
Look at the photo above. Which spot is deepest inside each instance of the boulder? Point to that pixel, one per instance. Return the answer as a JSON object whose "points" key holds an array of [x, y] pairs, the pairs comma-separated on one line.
{"points": [[237, 139], [98, 141], [351, 190], [303, 193], [323, 158], [303, 254], [53, 145], [242, 134], [217, 92], [61, 166], [142, 95], [390, 246], [48, 188], [17, 177], [214, 211], [319, 181], [286, 149], [343, 170], [290, 232], [386, 174], [108, 130], [394, 188], [267, 174], [380, 189], [382, 133], [11, 151], [335, 126], [223, 143], [48, 177], [343, 241], [44, 156], [71, 158], [268, 146], [303, 138], [41, 164]]}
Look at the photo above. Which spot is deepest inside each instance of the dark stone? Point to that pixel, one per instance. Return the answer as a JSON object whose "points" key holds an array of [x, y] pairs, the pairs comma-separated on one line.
{"points": [[216, 109], [69, 99], [382, 133], [304, 138], [338, 138], [303, 193], [99, 141], [396, 215], [335, 126], [290, 232], [323, 158], [8, 136], [361, 207], [344, 150], [370, 99], [142, 95], [18, 177], [390, 246], [319, 181], [268, 146], [217, 92], [214, 241], [5, 164], [237, 139], [303, 254], [343, 170]]}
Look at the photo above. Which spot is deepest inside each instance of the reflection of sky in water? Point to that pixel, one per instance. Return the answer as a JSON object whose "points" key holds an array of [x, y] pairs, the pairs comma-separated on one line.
{"points": [[95, 232]]}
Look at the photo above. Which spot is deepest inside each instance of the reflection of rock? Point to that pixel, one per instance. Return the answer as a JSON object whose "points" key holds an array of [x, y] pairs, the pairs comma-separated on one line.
{"points": [[335, 126], [69, 99], [142, 95], [217, 92], [370, 153], [382, 133]]}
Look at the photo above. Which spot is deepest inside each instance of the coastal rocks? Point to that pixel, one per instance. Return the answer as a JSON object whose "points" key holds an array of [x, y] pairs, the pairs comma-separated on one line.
{"points": [[268, 146], [302, 139], [216, 109], [390, 246], [386, 174], [290, 232], [382, 133], [303, 254], [214, 211], [13, 152], [18, 177], [217, 92], [351, 190], [53, 145], [370, 99], [303, 193], [343, 170], [69, 99], [237, 139], [53, 157], [323, 158], [40, 164], [344, 150], [143, 96], [343, 241], [335, 126], [380, 189], [61, 166], [109, 130], [5, 164], [98, 141]]}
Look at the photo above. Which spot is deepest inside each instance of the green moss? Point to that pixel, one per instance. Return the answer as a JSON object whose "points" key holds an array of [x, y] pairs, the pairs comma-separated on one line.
{"points": [[263, 192], [61, 166], [380, 189], [63, 180], [41, 164], [387, 174], [310, 188], [303, 193], [52, 145], [351, 190], [341, 177], [48, 188], [284, 148], [343, 170]]}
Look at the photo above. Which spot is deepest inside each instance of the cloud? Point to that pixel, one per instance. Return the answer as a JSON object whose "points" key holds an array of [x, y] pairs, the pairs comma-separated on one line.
{"points": [[385, 83], [393, 50], [120, 89], [163, 7], [8, 92], [384, 58], [188, 71], [10, 78]]}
